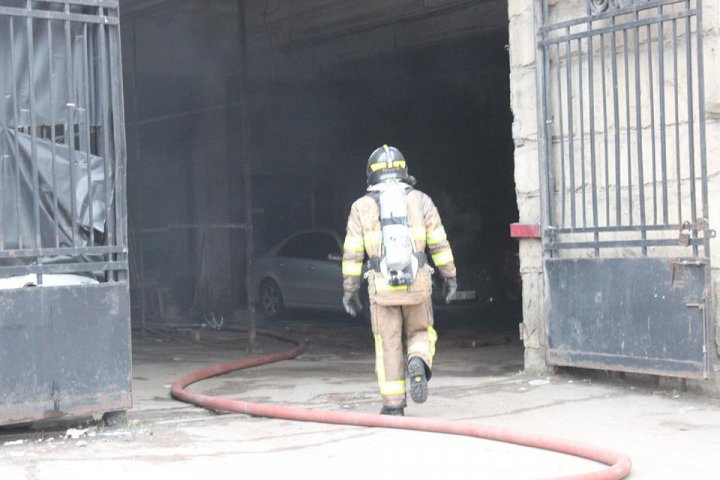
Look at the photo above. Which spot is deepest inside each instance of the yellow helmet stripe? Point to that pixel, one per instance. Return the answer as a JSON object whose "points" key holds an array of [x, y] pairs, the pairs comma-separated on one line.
{"points": [[382, 165]]}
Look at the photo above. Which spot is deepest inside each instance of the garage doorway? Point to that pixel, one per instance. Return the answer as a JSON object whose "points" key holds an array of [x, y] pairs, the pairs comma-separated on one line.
{"points": [[326, 84]]}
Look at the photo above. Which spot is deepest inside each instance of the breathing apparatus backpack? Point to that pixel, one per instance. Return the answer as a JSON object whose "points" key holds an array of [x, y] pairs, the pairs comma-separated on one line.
{"points": [[398, 261]]}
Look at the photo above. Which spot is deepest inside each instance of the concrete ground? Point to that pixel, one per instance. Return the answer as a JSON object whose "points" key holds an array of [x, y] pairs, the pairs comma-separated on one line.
{"points": [[478, 378]]}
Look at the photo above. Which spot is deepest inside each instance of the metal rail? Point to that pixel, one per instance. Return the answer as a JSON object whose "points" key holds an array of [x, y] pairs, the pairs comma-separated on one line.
{"points": [[624, 144], [64, 210]]}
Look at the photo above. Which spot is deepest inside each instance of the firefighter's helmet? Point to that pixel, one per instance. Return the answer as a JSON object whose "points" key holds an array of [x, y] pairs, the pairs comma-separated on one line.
{"points": [[387, 163]]}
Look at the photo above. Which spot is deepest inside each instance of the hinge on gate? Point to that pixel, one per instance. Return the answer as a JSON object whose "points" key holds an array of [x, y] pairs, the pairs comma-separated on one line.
{"points": [[704, 225], [701, 224]]}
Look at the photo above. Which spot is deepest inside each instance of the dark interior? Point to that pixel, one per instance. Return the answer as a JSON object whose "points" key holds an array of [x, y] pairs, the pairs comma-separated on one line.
{"points": [[314, 115]]}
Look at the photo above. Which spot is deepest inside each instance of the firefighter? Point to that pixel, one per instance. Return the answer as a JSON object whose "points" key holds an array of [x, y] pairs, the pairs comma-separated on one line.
{"points": [[393, 225]]}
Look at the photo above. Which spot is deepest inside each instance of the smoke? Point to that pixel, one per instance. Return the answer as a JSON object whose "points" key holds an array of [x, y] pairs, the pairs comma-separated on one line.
{"points": [[325, 87]]}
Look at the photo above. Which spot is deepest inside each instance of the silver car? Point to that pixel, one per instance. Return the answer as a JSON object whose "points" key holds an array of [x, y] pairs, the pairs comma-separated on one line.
{"points": [[302, 271], [305, 271]]}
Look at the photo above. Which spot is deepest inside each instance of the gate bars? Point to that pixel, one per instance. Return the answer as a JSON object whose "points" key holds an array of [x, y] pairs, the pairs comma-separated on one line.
{"points": [[62, 142], [623, 127]]}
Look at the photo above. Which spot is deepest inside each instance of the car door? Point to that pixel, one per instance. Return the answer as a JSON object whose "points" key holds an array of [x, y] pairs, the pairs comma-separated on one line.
{"points": [[324, 272], [291, 266]]}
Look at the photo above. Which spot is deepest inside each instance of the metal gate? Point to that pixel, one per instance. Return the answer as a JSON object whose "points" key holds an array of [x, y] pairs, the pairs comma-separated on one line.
{"points": [[64, 301], [624, 185]]}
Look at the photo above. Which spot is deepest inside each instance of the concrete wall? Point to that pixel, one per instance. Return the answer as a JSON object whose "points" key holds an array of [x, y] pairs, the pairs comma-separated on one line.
{"points": [[527, 179], [522, 33], [712, 106]]}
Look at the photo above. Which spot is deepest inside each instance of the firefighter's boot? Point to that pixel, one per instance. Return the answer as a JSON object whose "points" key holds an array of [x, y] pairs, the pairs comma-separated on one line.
{"points": [[418, 380], [399, 411]]}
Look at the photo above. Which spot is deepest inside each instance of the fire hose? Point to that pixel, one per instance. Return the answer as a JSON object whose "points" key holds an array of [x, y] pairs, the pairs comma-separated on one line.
{"points": [[617, 465]]}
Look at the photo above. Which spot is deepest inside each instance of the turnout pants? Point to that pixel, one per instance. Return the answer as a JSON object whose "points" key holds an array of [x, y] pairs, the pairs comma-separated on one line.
{"points": [[394, 327]]}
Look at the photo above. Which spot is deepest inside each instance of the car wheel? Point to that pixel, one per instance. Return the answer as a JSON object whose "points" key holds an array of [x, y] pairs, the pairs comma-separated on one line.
{"points": [[271, 299]]}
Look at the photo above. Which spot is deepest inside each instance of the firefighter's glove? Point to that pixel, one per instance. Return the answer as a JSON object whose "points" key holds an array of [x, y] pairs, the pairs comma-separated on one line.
{"points": [[351, 302], [449, 289]]}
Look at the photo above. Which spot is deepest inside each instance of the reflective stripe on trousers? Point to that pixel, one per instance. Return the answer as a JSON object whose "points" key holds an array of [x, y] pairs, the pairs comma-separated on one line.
{"points": [[389, 324], [424, 348], [396, 387]]}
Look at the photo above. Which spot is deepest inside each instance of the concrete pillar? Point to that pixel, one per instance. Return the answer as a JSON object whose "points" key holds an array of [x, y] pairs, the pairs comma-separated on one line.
{"points": [[523, 102], [533, 326], [711, 44]]}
